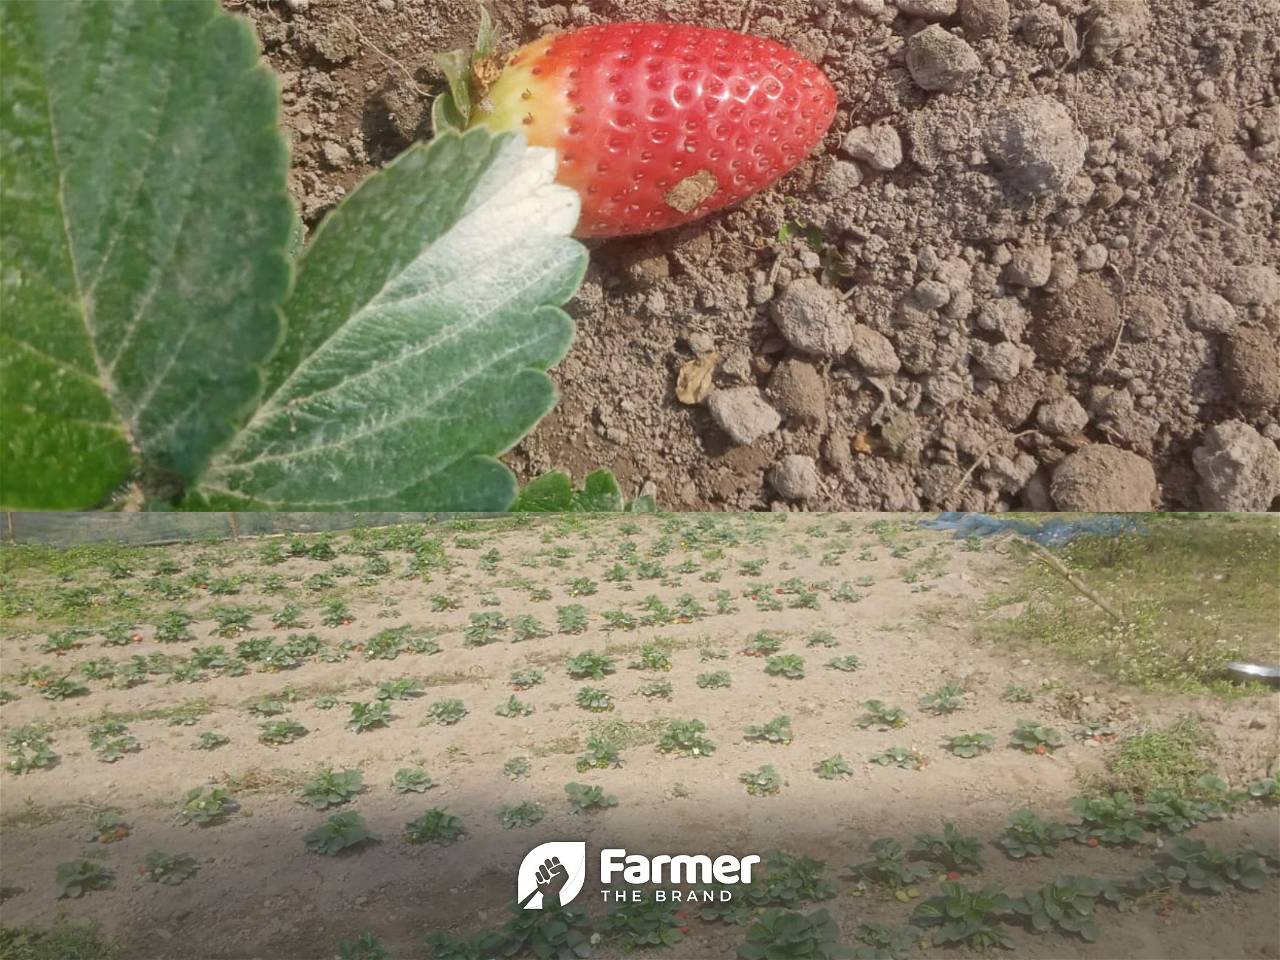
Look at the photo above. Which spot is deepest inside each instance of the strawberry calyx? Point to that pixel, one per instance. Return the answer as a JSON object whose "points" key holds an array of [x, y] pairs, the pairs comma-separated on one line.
{"points": [[469, 74]]}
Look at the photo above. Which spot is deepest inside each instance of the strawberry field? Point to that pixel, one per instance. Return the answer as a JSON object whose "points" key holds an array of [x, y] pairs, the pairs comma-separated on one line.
{"points": [[344, 744]]}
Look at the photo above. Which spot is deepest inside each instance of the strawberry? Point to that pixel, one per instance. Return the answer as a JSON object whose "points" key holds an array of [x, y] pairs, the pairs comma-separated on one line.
{"points": [[654, 124]]}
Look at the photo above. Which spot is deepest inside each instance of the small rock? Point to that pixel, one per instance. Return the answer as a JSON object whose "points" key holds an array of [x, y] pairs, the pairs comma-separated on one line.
{"points": [[1005, 316], [874, 351], [931, 294], [1062, 417], [878, 146], [927, 9], [869, 8], [940, 61], [799, 391], [838, 179], [1000, 362], [795, 477], [1112, 25], [1036, 145], [1100, 477], [985, 18], [1251, 284], [743, 414], [1070, 324], [1093, 257], [336, 155], [1148, 317], [1250, 364], [1211, 313], [1239, 469], [1030, 266], [812, 318], [1041, 27], [337, 42]]}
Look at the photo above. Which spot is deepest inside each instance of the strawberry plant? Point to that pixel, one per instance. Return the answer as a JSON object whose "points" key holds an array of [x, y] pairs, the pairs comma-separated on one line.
{"points": [[882, 717], [441, 602], [110, 740], [1066, 904], [1202, 867], [953, 850], [653, 657], [334, 612], [1028, 836], [332, 788], [600, 755], [211, 740], [484, 628], [848, 663], [79, 877], [684, 737], [964, 916], [341, 831], [969, 745], [777, 730], [1167, 811], [267, 707], [900, 757], [482, 946], [516, 768], [276, 732], [524, 679], [527, 627], [571, 619], [437, 825], [551, 933], [789, 665], [168, 869], [401, 689], [594, 699], [1111, 821], [585, 799], [714, 680], [882, 942], [513, 706], [777, 933], [30, 749], [446, 712], [643, 923], [621, 620], [1016, 694], [62, 688], [387, 644], [590, 665], [230, 619], [62, 641], [581, 587], [946, 699], [833, 768], [173, 627], [205, 806], [364, 947], [762, 782], [288, 617], [820, 638], [889, 866], [411, 780], [790, 879], [763, 644], [1036, 738], [108, 826], [659, 689], [523, 814]]}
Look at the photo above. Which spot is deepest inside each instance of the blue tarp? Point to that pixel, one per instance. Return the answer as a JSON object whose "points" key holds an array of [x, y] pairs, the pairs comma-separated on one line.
{"points": [[1048, 531]]}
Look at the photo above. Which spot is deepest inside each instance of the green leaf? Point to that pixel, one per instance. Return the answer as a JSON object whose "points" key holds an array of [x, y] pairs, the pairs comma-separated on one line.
{"points": [[444, 115], [456, 67], [550, 493], [424, 316], [146, 220], [600, 494]]}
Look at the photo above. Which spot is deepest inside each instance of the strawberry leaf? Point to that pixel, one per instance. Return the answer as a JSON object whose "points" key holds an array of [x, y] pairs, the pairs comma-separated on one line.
{"points": [[419, 331], [146, 224]]}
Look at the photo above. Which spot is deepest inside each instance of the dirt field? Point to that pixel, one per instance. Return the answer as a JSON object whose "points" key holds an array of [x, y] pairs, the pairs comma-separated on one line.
{"points": [[917, 610], [1106, 277]]}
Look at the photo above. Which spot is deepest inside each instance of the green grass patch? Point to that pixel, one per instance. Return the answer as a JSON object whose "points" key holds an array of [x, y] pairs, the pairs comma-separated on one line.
{"points": [[69, 942], [1172, 758]]}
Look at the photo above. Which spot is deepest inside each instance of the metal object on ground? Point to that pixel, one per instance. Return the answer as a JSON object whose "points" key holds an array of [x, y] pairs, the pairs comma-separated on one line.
{"points": [[1239, 670]]}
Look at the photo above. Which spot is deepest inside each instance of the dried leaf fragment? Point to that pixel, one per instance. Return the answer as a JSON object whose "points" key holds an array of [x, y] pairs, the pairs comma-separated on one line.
{"points": [[693, 382]]}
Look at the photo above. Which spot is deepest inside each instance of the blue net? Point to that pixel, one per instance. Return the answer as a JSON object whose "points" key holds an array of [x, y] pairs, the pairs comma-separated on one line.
{"points": [[1046, 530]]}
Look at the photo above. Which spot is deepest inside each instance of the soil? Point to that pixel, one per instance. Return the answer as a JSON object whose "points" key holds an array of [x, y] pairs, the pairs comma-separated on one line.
{"points": [[1060, 217], [259, 893]]}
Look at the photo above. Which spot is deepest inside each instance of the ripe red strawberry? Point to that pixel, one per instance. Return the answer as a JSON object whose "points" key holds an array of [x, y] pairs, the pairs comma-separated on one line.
{"points": [[657, 124]]}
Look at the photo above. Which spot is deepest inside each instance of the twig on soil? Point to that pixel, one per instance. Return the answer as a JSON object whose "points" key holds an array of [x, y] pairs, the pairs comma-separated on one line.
{"points": [[964, 477], [408, 76], [1055, 564]]}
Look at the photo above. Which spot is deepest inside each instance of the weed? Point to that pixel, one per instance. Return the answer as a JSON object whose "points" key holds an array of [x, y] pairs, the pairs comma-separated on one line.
{"points": [[684, 737], [341, 831], [446, 712], [437, 825], [331, 788], [168, 869], [969, 745], [1168, 758]]}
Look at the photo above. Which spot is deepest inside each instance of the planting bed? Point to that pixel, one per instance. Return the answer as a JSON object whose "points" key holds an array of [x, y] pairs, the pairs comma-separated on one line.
{"points": [[748, 619], [1038, 225]]}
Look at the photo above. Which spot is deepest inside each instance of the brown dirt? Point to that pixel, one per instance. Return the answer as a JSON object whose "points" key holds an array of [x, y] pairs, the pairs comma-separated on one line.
{"points": [[260, 894], [1173, 108]]}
